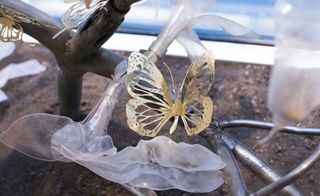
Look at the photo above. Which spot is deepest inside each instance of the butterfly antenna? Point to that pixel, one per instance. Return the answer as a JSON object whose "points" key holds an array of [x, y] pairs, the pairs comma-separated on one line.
{"points": [[60, 32], [173, 86]]}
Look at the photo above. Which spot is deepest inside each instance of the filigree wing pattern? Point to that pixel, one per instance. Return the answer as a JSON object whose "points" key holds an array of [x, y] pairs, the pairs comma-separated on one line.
{"points": [[79, 12], [194, 90], [87, 2], [144, 118], [199, 77], [9, 30], [16, 16], [145, 79], [151, 106], [198, 115]]}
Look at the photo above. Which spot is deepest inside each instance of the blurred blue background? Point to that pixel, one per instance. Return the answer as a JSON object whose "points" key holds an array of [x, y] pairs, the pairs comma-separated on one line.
{"points": [[253, 14]]}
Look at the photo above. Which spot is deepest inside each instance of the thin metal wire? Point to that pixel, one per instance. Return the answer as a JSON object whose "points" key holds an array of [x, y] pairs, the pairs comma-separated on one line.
{"points": [[265, 125]]}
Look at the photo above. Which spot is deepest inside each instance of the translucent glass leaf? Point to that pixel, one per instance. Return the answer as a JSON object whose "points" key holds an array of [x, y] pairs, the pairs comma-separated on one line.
{"points": [[157, 164]]}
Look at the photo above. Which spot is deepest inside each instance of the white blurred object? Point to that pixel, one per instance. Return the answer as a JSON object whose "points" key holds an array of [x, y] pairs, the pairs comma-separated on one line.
{"points": [[6, 49], [3, 96], [27, 68], [294, 89]]}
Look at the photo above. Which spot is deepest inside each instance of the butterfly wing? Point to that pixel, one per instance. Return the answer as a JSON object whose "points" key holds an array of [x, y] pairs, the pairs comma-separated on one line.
{"points": [[151, 106], [195, 87], [88, 3], [9, 30], [79, 12], [16, 16]]}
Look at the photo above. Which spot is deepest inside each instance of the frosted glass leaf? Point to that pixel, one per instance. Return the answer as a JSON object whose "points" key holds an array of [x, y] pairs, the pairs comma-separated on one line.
{"points": [[294, 85], [156, 164], [230, 27], [294, 89], [32, 135], [191, 43]]}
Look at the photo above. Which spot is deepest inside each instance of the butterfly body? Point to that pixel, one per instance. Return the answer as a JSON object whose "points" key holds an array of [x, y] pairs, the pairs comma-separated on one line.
{"points": [[176, 110], [10, 30], [154, 104], [8, 21]]}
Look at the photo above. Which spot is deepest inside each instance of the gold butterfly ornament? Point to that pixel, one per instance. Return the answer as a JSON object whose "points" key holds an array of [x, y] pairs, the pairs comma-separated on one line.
{"points": [[79, 12], [153, 104], [10, 29], [86, 2]]}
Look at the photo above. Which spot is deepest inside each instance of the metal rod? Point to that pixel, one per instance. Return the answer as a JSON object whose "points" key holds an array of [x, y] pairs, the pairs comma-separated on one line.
{"points": [[232, 170], [70, 90], [267, 126], [291, 176], [256, 165]]}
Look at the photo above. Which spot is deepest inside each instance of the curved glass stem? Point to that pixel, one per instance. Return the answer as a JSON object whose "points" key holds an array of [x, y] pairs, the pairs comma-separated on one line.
{"points": [[101, 114]]}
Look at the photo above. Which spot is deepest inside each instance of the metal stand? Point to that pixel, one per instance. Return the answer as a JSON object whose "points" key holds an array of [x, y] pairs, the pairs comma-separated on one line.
{"points": [[228, 148]]}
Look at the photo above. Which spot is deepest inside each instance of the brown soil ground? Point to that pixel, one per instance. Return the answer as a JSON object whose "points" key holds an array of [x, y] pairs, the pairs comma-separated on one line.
{"points": [[239, 92]]}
